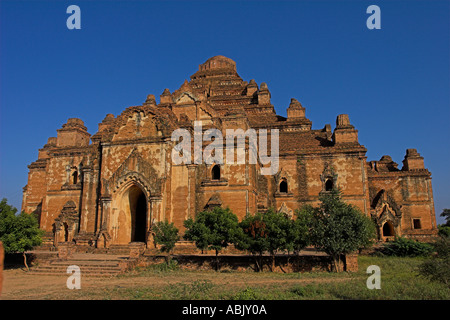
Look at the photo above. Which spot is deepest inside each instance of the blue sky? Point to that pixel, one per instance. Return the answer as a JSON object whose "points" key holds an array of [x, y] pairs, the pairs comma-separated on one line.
{"points": [[394, 82]]}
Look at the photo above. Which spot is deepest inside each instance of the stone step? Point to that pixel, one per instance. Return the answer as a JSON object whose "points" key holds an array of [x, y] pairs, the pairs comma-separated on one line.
{"points": [[90, 265], [86, 268], [49, 270], [63, 274]]}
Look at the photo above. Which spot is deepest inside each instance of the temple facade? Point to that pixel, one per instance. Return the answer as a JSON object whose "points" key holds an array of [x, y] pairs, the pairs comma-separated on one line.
{"points": [[110, 187]]}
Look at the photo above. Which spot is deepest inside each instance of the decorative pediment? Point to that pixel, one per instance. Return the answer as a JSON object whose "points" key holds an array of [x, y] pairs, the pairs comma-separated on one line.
{"points": [[328, 172], [186, 98], [387, 214], [284, 209], [214, 201], [280, 175], [137, 169], [68, 215], [383, 198], [385, 209], [136, 122]]}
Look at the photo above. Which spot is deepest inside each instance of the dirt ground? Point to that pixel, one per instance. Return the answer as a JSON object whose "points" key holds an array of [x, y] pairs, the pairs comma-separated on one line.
{"points": [[20, 285]]}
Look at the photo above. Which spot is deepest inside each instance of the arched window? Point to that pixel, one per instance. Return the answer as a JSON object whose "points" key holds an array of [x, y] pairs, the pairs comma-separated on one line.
{"points": [[215, 172], [75, 177], [329, 185], [283, 186]]}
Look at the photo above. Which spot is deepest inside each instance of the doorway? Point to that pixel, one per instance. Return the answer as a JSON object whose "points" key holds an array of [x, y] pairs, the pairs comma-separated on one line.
{"points": [[138, 211], [388, 229]]}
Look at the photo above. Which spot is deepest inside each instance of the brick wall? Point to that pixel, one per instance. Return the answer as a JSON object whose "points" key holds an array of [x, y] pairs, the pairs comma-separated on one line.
{"points": [[283, 263]]}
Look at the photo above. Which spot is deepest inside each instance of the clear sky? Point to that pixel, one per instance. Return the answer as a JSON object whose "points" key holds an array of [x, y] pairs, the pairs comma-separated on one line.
{"points": [[393, 82]]}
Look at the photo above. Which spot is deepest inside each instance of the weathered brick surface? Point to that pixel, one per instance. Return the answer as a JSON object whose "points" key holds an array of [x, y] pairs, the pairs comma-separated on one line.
{"points": [[87, 193], [283, 263]]}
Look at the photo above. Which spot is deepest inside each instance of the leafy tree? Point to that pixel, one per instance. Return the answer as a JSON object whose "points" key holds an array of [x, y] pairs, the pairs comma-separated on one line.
{"points": [[166, 235], [213, 229], [272, 232], [300, 235], [19, 233], [279, 229], [338, 228], [253, 237], [446, 214]]}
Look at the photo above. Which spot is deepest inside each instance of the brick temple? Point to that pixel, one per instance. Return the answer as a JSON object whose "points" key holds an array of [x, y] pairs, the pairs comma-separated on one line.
{"points": [[110, 187]]}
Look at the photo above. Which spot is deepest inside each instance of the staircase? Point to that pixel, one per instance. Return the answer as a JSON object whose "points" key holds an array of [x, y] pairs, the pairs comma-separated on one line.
{"points": [[91, 265]]}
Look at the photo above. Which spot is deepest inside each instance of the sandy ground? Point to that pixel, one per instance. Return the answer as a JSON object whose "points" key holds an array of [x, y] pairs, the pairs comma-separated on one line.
{"points": [[20, 285]]}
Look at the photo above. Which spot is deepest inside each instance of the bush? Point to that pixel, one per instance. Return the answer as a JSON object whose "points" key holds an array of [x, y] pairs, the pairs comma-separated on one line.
{"points": [[166, 235], [444, 230], [247, 294], [196, 290], [170, 265], [438, 267], [308, 291], [403, 247]]}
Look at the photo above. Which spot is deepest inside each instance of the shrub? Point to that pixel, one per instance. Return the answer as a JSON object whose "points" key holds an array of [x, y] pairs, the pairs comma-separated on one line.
{"points": [[308, 291], [247, 294], [444, 230], [166, 235], [438, 267], [170, 265], [403, 247]]}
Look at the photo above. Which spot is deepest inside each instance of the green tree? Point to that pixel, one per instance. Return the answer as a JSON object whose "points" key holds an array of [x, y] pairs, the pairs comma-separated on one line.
{"points": [[278, 228], [253, 237], [166, 235], [300, 235], [446, 214], [271, 232], [213, 229], [444, 229], [19, 233], [338, 228]]}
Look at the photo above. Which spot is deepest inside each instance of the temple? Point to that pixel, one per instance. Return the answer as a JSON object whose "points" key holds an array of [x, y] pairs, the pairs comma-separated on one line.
{"points": [[110, 187]]}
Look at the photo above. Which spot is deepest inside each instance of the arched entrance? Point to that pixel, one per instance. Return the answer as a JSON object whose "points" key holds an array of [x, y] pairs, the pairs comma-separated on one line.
{"points": [[388, 229], [129, 217], [138, 212]]}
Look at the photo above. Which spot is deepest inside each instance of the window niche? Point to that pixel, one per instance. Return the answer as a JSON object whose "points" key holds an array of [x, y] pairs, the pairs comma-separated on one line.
{"points": [[329, 184], [328, 178], [417, 224], [214, 177], [283, 187], [215, 172], [74, 177]]}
